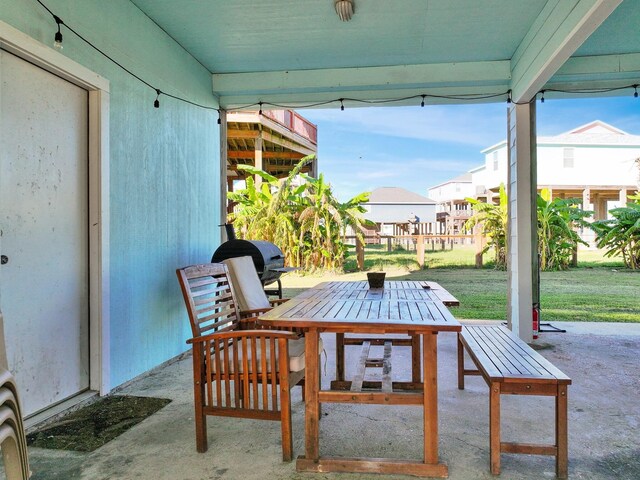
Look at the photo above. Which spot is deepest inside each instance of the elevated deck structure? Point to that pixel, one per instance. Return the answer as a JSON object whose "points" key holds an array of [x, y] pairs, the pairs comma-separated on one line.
{"points": [[272, 140]]}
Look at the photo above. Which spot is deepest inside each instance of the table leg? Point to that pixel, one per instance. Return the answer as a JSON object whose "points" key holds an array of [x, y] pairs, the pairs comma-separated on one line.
{"points": [[415, 359], [340, 356], [312, 406], [430, 374]]}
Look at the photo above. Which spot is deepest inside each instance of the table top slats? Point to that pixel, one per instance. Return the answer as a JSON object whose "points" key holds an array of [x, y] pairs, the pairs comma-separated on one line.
{"points": [[344, 304]]}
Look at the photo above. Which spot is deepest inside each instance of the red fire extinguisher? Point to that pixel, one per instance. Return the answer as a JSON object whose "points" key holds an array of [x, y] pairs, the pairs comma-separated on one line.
{"points": [[536, 320]]}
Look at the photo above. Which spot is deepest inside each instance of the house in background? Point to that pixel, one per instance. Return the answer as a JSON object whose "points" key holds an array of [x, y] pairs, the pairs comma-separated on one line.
{"points": [[452, 208], [397, 211], [596, 162]]}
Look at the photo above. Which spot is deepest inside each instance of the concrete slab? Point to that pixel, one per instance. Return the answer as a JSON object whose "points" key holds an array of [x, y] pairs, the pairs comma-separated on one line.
{"points": [[604, 418]]}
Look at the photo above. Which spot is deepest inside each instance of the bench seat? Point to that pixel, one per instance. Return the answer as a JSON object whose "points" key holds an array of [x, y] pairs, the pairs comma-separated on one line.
{"points": [[511, 367]]}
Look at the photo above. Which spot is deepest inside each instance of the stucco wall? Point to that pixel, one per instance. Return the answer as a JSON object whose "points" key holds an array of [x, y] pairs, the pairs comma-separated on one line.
{"points": [[164, 176]]}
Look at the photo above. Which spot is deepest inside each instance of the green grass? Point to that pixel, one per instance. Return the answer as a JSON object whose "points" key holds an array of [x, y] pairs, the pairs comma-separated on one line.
{"points": [[599, 290]]}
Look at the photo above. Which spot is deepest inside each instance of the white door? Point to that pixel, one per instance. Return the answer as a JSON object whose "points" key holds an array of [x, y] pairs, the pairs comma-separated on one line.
{"points": [[44, 285]]}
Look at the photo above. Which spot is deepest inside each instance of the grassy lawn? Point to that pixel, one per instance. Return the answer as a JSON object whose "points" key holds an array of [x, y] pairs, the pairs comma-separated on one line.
{"points": [[599, 290]]}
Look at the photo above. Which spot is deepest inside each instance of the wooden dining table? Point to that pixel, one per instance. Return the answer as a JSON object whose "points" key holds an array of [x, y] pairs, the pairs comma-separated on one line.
{"points": [[351, 307]]}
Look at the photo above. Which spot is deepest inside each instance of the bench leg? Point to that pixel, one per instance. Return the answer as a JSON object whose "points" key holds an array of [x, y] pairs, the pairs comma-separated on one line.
{"points": [[460, 364], [561, 432], [494, 427]]}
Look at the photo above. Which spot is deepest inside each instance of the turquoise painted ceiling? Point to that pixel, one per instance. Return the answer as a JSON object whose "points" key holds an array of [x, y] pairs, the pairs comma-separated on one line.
{"points": [[299, 50]]}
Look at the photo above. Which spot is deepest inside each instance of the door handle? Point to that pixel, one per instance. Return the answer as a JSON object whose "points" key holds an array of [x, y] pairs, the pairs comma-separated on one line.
{"points": [[4, 259]]}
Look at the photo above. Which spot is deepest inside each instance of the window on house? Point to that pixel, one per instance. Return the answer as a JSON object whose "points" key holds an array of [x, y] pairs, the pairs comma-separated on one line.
{"points": [[567, 158], [495, 161]]}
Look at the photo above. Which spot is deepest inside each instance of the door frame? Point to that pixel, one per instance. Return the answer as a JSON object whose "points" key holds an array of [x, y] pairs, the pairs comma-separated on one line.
{"points": [[23, 46]]}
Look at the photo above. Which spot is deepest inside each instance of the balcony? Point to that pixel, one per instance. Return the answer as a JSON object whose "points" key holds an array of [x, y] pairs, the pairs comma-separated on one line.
{"points": [[295, 123]]}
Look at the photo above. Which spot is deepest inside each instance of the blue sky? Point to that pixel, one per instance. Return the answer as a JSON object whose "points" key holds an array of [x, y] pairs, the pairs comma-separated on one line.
{"points": [[360, 149]]}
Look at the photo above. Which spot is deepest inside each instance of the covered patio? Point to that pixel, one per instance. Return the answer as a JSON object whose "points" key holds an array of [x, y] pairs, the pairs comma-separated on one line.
{"points": [[603, 419], [154, 184]]}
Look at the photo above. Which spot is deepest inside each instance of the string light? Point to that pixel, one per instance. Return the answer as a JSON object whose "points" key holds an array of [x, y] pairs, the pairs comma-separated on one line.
{"points": [[458, 98], [57, 38]]}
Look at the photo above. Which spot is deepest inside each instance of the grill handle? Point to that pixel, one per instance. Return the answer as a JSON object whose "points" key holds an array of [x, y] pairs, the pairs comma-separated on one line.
{"points": [[231, 232]]}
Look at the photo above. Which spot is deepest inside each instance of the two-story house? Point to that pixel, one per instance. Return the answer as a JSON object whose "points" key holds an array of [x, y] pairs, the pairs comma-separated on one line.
{"points": [[596, 162]]}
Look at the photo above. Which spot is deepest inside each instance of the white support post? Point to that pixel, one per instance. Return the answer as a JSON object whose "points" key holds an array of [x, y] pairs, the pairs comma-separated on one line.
{"points": [[258, 160], [223, 173], [522, 241]]}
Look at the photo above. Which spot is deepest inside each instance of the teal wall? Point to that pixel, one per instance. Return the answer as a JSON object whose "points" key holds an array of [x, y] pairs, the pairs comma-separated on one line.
{"points": [[164, 175]]}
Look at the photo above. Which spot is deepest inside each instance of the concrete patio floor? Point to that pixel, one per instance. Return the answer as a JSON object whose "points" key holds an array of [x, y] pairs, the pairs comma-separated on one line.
{"points": [[604, 418]]}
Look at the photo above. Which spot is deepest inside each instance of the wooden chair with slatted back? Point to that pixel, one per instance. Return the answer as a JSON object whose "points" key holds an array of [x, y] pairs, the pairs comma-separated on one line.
{"points": [[237, 372], [252, 299]]}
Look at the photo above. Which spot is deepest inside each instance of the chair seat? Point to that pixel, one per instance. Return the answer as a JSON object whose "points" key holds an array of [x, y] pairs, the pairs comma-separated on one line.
{"points": [[296, 357]]}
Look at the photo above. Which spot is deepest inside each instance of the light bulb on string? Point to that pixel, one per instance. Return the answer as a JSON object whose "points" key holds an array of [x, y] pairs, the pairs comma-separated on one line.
{"points": [[260, 111], [635, 91], [509, 96], [219, 118], [57, 38], [542, 97], [156, 103], [342, 104], [422, 102]]}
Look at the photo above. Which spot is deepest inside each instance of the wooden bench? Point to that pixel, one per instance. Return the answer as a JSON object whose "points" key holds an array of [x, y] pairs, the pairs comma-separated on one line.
{"points": [[511, 367]]}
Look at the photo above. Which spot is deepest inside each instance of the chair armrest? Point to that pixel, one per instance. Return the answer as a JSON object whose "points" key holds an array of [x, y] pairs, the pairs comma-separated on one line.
{"points": [[278, 301], [244, 314], [243, 333]]}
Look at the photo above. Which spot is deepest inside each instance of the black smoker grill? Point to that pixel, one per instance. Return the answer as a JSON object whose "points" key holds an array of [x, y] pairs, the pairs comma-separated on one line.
{"points": [[268, 259]]}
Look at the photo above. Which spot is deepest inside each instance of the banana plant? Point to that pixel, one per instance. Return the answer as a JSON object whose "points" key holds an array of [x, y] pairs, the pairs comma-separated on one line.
{"points": [[557, 223], [620, 235], [492, 219], [300, 214]]}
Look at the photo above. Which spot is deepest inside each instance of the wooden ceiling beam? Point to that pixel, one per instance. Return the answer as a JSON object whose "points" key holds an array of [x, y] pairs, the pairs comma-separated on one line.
{"points": [[265, 154], [243, 134], [283, 142]]}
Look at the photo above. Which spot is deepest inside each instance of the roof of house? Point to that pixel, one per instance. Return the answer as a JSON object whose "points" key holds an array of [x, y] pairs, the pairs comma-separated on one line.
{"points": [[464, 178], [596, 132], [397, 195]]}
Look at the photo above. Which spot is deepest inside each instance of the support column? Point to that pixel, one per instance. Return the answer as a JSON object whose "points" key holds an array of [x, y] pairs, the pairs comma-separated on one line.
{"points": [[522, 240], [257, 157], [623, 196], [223, 174], [586, 199]]}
